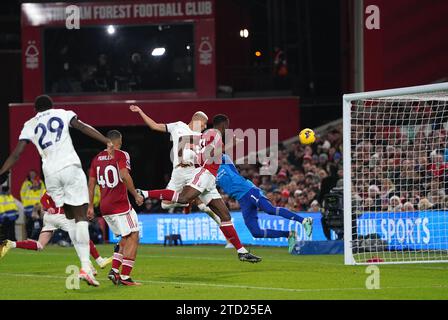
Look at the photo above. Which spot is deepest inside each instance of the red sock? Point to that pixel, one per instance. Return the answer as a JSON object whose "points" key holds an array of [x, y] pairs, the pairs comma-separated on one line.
{"points": [[116, 261], [229, 232], [127, 266], [27, 244], [164, 194], [93, 252]]}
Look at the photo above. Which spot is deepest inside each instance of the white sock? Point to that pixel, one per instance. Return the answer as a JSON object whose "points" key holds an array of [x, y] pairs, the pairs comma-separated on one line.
{"points": [[82, 239], [72, 234], [39, 246], [171, 205], [176, 197], [209, 211], [72, 230], [229, 244], [242, 250], [99, 260], [13, 244]]}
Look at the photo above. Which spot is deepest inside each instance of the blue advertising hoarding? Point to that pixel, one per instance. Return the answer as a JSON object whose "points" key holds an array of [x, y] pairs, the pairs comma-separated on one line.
{"points": [[425, 230], [199, 228], [422, 230]]}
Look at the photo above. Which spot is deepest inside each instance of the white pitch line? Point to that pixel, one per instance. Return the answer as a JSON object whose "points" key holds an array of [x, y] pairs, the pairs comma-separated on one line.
{"points": [[149, 256], [228, 286]]}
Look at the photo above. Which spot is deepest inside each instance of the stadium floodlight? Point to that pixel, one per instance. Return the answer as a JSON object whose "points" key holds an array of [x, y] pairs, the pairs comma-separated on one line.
{"points": [[244, 33], [157, 52], [396, 175], [110, 29]]}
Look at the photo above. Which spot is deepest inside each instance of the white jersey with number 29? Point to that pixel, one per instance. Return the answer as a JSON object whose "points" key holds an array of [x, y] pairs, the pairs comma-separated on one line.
{"points": [[49, 132]]}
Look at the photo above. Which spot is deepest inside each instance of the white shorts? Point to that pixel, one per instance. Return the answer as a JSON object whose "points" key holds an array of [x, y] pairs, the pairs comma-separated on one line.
{"points": [[68, 186], [54, 222], [180, 177], [205, 182], [123, 224]]}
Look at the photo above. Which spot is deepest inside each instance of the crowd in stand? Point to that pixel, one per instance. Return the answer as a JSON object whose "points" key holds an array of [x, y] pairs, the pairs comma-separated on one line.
{"points": [[400, 169], [304, 175]]}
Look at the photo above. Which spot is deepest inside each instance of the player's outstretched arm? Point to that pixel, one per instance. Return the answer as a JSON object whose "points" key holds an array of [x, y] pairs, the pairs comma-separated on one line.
{"points": [[89, 131], [129, 183], [12, 159], [149, 122], [93, 133]]}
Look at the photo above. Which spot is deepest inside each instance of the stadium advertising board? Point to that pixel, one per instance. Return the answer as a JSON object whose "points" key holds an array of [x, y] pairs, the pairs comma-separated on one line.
{"points": [[199, 228], [424, 230], [413, 231]]}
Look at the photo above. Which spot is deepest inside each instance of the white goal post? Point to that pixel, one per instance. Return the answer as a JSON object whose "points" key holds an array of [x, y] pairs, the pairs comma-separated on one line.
{"points": [[395, 157]]}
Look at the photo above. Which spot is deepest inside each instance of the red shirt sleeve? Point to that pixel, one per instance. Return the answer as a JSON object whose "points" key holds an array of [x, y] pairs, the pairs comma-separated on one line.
{"points": [[123, 160], [92, 172]]}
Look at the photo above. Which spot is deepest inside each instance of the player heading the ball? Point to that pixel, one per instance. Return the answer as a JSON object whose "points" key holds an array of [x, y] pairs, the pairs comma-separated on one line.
{"points": [[203, 185]]}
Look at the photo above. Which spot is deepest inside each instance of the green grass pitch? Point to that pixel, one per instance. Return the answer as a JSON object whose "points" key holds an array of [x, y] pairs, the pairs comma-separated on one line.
{"points": [[212, 272]]}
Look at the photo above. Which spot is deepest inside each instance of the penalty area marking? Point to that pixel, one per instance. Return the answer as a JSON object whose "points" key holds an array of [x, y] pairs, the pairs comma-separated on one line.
{"points": [[227, 286]]}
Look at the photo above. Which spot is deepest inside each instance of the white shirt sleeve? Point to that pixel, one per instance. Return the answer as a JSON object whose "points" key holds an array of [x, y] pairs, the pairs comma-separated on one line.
{"points": [[69, 116], [171, 126], [27, 133]]}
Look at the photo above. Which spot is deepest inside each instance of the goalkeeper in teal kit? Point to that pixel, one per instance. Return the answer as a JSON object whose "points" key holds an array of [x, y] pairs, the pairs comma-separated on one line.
{"points": [[251, 198]]}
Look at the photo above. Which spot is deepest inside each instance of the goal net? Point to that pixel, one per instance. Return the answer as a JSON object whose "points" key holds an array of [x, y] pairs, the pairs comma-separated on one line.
{"points": [[396, 176]]}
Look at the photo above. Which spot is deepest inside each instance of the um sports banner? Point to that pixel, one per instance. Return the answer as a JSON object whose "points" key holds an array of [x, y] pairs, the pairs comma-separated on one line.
{"points": [[423, 230]]}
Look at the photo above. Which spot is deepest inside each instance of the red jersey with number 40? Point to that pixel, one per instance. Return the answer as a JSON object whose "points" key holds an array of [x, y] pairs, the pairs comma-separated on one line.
{"points": [[106, 171]]}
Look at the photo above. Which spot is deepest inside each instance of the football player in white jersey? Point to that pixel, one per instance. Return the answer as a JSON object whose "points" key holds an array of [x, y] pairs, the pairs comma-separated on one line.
{"points": [[66, 182], [182, 158]]}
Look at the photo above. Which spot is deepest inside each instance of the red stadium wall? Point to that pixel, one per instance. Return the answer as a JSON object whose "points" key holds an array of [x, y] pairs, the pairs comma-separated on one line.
{"points": [[410, 48], [243, 113]]}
